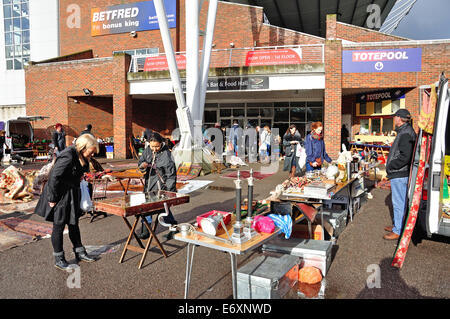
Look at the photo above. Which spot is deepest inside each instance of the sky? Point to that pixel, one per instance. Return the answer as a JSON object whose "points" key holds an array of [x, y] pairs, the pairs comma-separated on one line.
{"points": [[428, 19]]}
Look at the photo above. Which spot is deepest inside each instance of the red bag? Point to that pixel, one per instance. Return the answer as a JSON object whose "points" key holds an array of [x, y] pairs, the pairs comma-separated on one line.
{"points": [[263, 224]]}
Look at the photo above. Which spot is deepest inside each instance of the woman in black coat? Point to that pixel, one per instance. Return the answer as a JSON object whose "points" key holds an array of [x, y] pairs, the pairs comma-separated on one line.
{"points": [[290, 141], [160, 173], [60, 199]]}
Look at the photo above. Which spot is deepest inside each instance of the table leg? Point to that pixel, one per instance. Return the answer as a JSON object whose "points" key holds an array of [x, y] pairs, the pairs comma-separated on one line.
{"points": [[350, 201], [134, 234], [129, 238], [189, 261], [234, 274]]}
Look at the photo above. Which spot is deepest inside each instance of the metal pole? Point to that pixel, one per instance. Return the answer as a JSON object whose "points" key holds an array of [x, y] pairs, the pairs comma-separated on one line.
{"points": [[192, 46]]}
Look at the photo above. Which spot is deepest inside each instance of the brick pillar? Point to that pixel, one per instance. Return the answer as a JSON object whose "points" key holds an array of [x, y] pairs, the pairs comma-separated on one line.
{"points": [[412, 104], [331, 26], [333, 97], [122, 106]]}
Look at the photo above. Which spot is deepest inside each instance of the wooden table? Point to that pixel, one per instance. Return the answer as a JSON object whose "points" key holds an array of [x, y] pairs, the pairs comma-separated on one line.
{"points": [[128, 174], [139, 205], [194, 239]]}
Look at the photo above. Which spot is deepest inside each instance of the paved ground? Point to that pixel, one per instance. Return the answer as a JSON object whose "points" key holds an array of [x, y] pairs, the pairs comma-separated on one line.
{"points": [[28, 271]]}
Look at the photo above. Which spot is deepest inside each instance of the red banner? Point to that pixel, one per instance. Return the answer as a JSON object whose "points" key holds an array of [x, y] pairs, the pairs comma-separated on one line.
{"points": [[159, 63], [273, 57]]}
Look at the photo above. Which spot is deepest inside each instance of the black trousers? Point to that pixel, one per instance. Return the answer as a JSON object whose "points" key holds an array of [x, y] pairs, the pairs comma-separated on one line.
{"points": [[57, 237]]}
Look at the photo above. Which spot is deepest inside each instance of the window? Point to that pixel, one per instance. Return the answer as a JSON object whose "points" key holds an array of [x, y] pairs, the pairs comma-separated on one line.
{"points": [[314, 114], [388, 125], [395, 106], [378, 107], [364, 126], [362, 108], [17, 33], [376, 126]]}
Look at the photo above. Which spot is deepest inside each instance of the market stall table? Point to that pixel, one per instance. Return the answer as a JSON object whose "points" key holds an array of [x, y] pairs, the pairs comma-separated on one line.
{"points": [[195, 239], [140, 205], [128, 175]]}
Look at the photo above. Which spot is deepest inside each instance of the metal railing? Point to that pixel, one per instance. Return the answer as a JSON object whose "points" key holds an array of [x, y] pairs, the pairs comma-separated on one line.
{"points": [[236, 57]]}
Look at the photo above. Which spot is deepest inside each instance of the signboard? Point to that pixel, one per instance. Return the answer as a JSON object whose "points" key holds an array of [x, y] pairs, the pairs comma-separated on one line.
{"points": [[159, 63], [387, 60], [381, 96], [235, 83], [124, 18], [273, 57]]}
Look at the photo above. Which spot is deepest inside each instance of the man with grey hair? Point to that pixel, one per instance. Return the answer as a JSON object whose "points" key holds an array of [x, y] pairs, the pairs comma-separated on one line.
{"points": [[398, 168]]}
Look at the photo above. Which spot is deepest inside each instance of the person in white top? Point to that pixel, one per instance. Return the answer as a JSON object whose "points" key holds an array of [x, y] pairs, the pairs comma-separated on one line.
{"points": [[264, 144]]}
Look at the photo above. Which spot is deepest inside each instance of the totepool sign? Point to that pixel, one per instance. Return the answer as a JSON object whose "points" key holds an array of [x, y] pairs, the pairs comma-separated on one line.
{"points": [[389, 60], [138, 16]]}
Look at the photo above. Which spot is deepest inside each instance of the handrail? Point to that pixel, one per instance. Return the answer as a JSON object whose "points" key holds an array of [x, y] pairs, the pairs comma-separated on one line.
{"points": [[311, 53]]}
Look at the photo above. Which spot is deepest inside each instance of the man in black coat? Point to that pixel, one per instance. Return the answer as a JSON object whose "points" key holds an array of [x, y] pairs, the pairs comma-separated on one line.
{"points": [[59, 138], [87, 130], [160, 173], [397, 169]]}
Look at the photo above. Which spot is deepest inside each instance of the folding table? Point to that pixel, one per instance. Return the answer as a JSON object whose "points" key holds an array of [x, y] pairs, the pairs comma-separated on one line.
{"points": [[139, 206]]}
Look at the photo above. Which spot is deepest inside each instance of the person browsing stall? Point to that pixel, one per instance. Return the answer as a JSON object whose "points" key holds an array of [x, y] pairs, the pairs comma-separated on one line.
{"points": [[59, 138], [397, 169], [291, 139], [160, 174], [315, 148], [60, 200]]}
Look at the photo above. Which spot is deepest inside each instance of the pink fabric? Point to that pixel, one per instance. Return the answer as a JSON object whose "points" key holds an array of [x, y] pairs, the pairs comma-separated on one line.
{"points": [[263, 224]]}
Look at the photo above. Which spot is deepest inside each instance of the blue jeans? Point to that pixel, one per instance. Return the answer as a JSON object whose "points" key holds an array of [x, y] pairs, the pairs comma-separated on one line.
{"points": [[399, 188]]}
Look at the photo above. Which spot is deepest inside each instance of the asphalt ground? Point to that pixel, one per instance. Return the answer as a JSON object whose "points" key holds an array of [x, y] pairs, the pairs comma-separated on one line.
{"points": [[360, 258]]}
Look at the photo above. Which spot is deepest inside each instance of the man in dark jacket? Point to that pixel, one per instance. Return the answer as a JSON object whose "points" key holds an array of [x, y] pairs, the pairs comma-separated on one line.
{"points": [[59, 139], [397, 169], [87, 130]]}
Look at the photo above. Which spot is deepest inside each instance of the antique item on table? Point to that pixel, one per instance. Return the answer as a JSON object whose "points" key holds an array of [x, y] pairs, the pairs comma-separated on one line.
{"points": [[332, 172], [238, 236], [318, 189], [226, 217], [250, 232]]}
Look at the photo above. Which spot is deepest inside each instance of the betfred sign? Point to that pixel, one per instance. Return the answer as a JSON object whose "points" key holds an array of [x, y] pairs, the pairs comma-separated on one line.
{"points": [[159, 63], [389, 60], [124, 18], [273, 57]]}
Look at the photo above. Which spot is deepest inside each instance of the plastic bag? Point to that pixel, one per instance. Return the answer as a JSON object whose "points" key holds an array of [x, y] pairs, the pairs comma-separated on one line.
{"points": [[86, 202], [263, 224], [301, 154]]}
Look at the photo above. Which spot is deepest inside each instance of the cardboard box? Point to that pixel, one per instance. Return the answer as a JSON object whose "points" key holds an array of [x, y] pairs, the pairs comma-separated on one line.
{"points": [[109, 155], [301, 231]]}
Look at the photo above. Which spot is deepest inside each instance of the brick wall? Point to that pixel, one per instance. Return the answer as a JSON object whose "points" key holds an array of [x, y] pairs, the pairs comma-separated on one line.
{"points": [[333, 97], [239, 24]]}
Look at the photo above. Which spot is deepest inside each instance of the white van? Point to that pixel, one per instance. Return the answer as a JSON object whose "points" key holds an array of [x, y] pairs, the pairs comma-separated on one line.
{"points": [[18, 136], [434, 215]]}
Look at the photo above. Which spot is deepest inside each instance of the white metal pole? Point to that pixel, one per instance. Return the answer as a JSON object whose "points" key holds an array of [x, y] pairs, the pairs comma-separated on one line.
{"points": [[183, 114], [206, 56], [192, 66]]}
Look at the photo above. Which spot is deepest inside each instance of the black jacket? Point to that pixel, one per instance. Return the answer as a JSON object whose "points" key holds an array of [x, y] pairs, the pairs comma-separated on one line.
{"points": [[86, 132], [290, 149], [63, 188], [164, 165], [59, 140], [400, 154]]}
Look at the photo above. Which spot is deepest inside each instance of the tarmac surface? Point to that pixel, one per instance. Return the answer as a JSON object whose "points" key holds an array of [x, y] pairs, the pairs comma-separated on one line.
{"points": [[359, 256]]}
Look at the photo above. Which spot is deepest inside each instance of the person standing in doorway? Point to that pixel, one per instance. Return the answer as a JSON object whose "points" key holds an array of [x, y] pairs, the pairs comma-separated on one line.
{"points": [[87, 130], [397, 169], [59, 139]]}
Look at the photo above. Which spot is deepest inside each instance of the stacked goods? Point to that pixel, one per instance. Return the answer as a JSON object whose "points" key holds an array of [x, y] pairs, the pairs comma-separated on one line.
{"points": [[295, 184]]}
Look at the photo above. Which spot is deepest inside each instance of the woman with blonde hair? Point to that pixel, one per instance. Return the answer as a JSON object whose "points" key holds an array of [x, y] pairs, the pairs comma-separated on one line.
{"points": [[60, 199]]}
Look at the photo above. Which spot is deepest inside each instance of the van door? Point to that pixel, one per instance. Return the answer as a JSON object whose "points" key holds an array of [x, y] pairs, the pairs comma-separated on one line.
{"points": [[19, 135], [436, 164]]}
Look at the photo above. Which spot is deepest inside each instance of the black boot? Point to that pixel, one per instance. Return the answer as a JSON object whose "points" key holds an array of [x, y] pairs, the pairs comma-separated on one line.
{"points": [[144, 232], [60, 261], [81, 255]]}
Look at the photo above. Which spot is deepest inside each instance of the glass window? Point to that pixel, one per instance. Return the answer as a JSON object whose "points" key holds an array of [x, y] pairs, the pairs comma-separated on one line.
{"points": [[225, 112], [282, 127], [362, 108], [364, 127], [24, 9], [298, 114], [281, 114], [26, 36], [395, 106], [9, 51], [378, 107], [17, 38], [7, 13], [210, 116], [238, 112], [388, 125], [25, 23], [16, 10], [8, 25], [211, 105], [240, 105], [16, 1], [9, 38], [7, 1], [252, 112], [267, 112], [26, 49], [9, 64], [16, 24], [141, 51], [376, 125], [314, 114], [17, 64], [225, 123], [17, 50], [315, 104]]}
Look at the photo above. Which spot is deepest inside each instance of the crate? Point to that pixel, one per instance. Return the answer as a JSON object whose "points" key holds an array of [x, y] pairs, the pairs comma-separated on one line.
{"points": [[337, 219], [301, 231], [267, 277], [316, 253]]}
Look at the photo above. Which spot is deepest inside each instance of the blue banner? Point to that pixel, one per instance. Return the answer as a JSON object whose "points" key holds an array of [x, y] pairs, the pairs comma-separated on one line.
{"points": [[124, 18], [386, 60]]}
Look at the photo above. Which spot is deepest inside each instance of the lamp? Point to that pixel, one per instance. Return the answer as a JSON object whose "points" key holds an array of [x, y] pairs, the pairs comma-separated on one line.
{"points": [[87, 92], [231, 45]]}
